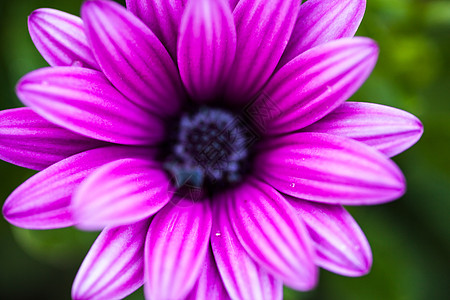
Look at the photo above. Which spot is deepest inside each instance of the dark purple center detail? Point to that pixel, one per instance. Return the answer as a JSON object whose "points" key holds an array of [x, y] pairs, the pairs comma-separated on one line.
{"points": [[209, 148]]}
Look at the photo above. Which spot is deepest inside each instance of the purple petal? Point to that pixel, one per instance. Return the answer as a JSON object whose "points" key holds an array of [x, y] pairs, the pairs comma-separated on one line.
{"points": [[60, 38], [233, 3], [28, 140], [132, 57], [316, 82], [42, 202], [269, 231], [263, 29], [321, 21], [209, 284], [242, 277], [176, 248], [329, 169], [206, 47], [114, 267], [385, 128], [84, 101], [119, 193], [162, 17], [341, 246]]}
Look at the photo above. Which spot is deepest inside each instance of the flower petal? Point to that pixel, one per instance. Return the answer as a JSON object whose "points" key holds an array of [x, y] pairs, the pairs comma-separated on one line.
{"points": [[316, 82], [242, 277], [329, 169], [162, 17], [119, 193], [30, 141], [176, 248], [42, 202], [132, 57], [263, 29], [209, 284], [269, 231], [233, 3], [60, 38], [321, 21], [206, 47], [340, 244], [114, 266], [385, 128], [82, 100]]}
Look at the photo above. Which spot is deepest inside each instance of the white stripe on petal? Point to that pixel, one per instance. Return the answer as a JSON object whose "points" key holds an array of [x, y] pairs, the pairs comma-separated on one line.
{"points": [[242, 276], [132, 57], [176, 248], [385, 128], [321, 21], [60, 38], [114, 266], [119, 193], [330, 169], [340, 244]]}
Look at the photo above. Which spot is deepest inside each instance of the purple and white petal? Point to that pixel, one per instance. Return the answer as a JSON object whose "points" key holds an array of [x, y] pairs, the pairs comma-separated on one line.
{"points": [[206, 48], [30, 141], [330, 169], [233, 3], [163, 17], [114, 266], [119, 193], [341, 246], [385, 128], [176, 248], [43, 201], [132, 57], [209, 284], [263, 29], [322, 21], [316, 82], [242, 276], [83, 100], [269, 231], [60, 38]]}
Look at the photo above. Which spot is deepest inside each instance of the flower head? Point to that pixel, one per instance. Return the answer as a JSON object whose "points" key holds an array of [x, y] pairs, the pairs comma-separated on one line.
{"points": [[209, 140]]}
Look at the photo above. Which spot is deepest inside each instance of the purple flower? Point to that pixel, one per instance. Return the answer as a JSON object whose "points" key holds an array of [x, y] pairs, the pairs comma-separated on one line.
{"points": [[209, 139]]}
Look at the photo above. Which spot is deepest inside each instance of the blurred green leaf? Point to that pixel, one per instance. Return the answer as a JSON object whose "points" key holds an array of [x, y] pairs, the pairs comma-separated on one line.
{"points": [[59, 247]]}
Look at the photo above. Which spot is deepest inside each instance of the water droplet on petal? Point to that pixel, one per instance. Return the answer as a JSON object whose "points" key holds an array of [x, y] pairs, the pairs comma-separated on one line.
{"points": [[77, 63], [342, 247], [292, 184], [218, 234]]}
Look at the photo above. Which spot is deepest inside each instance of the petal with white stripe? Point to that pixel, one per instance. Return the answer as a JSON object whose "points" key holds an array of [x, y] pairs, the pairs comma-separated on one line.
{"points": [[119, 193], [242, 276], [269, 231], [30, 141], [263, 29], [176, 248], [321, 21], [60, 38], [385, 128], [132, 57], [114, 266], [43, 201], [206, 48], [330, 169], [341, 246]]}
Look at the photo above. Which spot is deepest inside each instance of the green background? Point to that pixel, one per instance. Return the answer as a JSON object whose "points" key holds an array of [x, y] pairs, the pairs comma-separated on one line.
{"points": [[410, 237]]}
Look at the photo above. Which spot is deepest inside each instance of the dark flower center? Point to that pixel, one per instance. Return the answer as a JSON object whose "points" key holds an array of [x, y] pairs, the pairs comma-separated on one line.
{"points": [[209, 148]]}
